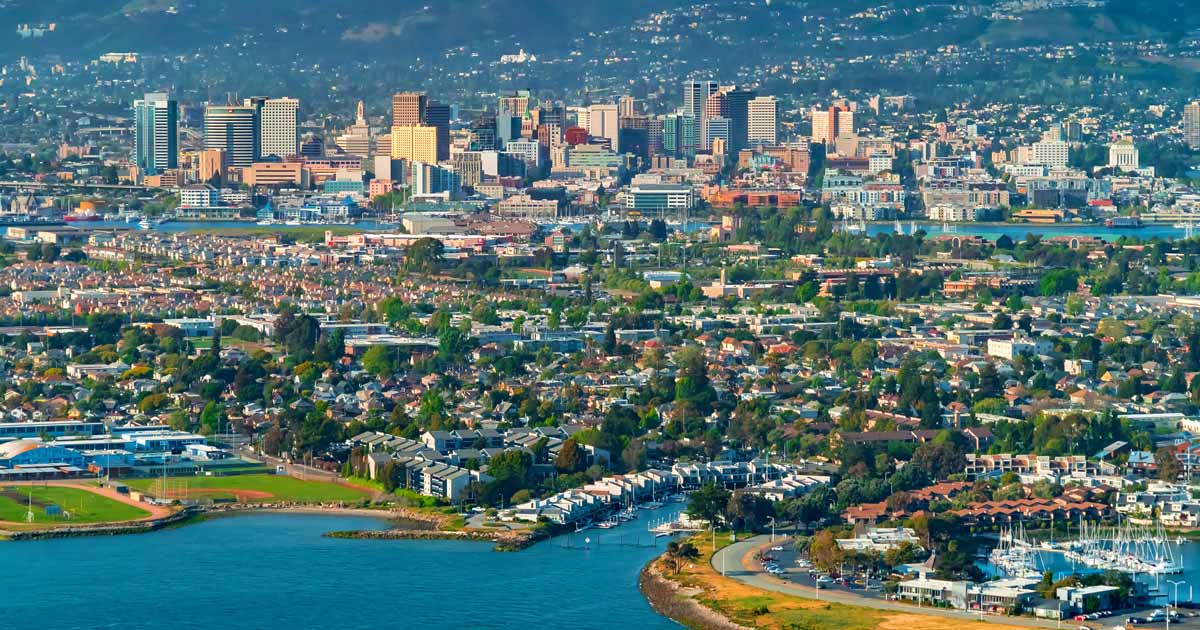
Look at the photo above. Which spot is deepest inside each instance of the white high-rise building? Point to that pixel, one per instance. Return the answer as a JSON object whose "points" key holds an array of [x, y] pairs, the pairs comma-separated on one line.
{"points": [[762, 126], [602, 122], [695, 95], [1052, 153], [278, 127], [156, 133]]}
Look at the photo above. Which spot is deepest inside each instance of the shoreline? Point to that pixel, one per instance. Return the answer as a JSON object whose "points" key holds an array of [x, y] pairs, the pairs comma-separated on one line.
{"points": [[678, 603], [430, 526]]}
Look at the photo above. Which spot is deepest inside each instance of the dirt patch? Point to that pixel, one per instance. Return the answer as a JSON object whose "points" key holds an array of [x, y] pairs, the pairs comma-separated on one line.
{"points": [[922, 622], [241, 496]]}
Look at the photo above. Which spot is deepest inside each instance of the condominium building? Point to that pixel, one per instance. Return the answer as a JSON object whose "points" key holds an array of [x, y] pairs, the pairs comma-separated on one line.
{"points": [[1191, 124], [1053, 153]]}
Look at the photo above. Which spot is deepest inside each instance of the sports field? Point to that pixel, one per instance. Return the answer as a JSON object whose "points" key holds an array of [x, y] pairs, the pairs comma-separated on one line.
{"points": [[76, 505], [249, 489]]}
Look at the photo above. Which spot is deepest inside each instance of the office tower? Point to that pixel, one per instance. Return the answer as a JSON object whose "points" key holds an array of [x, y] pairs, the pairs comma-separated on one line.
{"points": [[415, 143], [739, 106], [408, 109], [627, 107], [437, 115], [156, 133], [695, 94], [654, 135], [716, 128], [603, 121], [208, 165], [716, 106], [234, 130], [278, 127], [762, 126], [830, 124], [516, 103], [312, 147], [1191, 124], [553, 115]]}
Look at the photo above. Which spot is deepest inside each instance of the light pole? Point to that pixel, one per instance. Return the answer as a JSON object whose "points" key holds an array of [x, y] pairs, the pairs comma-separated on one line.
{"points": [[772, 528], [1176, 584]]}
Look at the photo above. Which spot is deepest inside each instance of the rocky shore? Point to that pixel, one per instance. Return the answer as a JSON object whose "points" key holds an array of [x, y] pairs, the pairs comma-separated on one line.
{"points": [[102, 529], [504, 540], [679, 603]]}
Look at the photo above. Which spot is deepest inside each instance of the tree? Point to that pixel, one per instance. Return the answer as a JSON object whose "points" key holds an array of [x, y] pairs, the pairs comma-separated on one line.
{"points": [[210, 418], [378, 361], [1168, 464], [749, 511], [680, 554], [708, 503], [424, 256], [570, 458], [824, 551]]}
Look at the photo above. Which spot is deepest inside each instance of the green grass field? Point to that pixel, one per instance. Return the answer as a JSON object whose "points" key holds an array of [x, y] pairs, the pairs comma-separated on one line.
{"points": [[253, 488], [81, 505]]}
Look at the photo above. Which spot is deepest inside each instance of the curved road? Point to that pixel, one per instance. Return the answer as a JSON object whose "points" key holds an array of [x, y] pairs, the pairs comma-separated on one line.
{"points": [[738, 563]]}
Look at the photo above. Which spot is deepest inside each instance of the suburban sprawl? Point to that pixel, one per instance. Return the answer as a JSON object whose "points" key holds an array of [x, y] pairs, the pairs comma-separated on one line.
{"points": [[851, 350]]}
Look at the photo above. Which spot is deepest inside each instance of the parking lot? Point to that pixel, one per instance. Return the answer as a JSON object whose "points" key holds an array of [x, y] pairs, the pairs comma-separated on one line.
{"points": [[782, 561]]}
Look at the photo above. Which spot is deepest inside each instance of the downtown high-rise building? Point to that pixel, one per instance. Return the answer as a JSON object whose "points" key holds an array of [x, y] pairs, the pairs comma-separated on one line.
{"points": [[408, 109], [762, 121], [437, 115], [415, 143], [415, 109], [156, 133], [830, 124], [1191, 124], [602, 121], [233, 129], [278, 130], [739, 117], [695, 95]]}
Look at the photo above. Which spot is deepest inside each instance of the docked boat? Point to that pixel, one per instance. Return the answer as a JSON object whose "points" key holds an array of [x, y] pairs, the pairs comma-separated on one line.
{"points": [[1123, 222]]}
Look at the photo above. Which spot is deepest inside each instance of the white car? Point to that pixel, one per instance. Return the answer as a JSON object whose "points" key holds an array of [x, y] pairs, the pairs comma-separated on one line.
{"points": [[824, 579], [777, 548]]}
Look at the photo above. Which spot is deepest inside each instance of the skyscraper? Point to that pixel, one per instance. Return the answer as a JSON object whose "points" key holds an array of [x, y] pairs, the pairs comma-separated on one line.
{"points": [[415, 143], [278, 127], [695, 93], [830, 124], [438, 115], [156, 133], [234, 130], [762, 121], [739, 106], [408, 109], [602, 122], [1191, 124]]}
